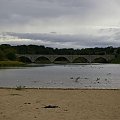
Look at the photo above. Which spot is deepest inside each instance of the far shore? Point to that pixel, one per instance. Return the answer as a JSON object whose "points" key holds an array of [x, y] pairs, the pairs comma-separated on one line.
{"points": [[8, 63], [59, 104]]}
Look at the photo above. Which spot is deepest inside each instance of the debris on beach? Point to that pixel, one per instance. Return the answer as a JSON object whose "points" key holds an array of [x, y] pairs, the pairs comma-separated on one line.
{"points": [[66, 110], [15, 94], [51, 106], [27, 103], [20, 87]]}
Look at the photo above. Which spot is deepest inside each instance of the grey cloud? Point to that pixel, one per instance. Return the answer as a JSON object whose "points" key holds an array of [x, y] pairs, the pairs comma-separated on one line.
{"points": [[34, 9], [76, 41], [62, 16], [112, 33], [52, 38], [23, 11]]}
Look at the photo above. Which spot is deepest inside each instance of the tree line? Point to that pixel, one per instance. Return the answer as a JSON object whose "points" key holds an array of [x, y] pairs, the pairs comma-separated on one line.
{"points": [[8, 52]]}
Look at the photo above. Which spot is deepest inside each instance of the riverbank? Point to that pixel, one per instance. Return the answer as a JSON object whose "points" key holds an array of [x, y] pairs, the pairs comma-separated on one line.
{"points": [[11, 64], [20, 64], [73, 104]]}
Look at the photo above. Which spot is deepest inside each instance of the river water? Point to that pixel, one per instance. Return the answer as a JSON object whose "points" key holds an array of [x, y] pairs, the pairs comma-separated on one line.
{"points": [[63, 76]]}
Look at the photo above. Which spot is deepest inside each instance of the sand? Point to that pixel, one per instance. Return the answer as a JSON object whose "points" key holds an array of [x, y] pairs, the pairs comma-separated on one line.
{"points": [[28, 104]]}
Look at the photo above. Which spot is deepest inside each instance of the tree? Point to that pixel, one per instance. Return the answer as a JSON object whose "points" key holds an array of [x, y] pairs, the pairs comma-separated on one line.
{"points": [[11, 56], [1, 55]]}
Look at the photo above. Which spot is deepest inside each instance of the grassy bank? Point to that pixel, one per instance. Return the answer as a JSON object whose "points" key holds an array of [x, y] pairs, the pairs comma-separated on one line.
{"points": [[11, 63]]}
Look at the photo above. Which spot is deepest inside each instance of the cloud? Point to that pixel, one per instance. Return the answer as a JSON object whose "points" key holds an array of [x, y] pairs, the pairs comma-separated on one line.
{"points": [[57, 15], [77, 23], [110, 38]]}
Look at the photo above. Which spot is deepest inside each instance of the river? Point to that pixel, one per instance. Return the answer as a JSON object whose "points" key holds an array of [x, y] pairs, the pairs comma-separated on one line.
{"points": [[102, 76]]}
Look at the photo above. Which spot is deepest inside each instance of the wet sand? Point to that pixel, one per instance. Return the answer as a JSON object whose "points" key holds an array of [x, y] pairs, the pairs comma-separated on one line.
{"points": [[28, 104]]}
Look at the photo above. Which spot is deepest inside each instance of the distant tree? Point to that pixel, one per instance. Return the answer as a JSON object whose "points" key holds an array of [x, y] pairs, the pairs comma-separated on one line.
{"points": [[5, 46], [8, 52], [1, 55], [118, 50], [11, 56], [109, 50]]}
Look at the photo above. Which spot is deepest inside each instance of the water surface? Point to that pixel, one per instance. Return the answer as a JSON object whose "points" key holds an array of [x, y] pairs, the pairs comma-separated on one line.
{"points": [[63, 76]]}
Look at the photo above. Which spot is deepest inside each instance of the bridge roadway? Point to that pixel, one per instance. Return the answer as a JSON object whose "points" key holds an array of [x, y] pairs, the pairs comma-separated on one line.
{"points": [[70, 58]]}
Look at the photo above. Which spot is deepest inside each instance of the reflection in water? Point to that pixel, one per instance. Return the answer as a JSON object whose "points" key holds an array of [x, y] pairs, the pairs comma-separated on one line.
{"points": [[62, 76]]}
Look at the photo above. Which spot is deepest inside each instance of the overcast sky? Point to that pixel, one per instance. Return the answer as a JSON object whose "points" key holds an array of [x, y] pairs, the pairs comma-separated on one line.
{"points": [[60, 23]]}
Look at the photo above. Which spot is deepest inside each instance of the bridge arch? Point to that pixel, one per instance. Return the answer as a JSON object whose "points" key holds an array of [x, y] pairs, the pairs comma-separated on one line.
{"points": [[61, 59], [65, 58], [80, 60], [24, 59], [100, 60], [42, 59]]}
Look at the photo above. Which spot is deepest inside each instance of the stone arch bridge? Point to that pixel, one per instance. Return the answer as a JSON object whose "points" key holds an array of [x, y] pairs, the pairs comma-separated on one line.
{"points": [[70, 58]]}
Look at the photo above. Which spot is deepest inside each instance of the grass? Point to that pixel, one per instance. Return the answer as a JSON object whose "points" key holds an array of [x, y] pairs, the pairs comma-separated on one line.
{"points": [[11, 64]]}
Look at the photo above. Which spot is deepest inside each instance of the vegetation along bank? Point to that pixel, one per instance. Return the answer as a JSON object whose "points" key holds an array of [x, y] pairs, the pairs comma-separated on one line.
{"points": [[8, 53]]}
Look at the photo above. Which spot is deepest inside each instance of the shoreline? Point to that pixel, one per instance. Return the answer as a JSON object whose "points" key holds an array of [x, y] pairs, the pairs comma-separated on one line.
{"points": [[13, 88]]}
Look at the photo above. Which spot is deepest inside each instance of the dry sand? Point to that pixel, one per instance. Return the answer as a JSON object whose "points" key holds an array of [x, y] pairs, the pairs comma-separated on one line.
{"points": [[28, 104]]}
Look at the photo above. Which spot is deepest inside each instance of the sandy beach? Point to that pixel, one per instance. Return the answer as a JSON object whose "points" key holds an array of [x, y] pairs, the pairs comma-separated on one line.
{"points": [[29, 104]]}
